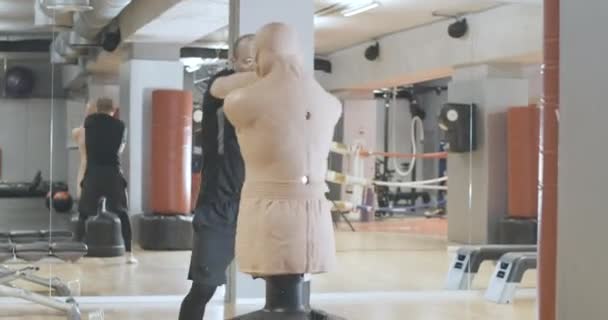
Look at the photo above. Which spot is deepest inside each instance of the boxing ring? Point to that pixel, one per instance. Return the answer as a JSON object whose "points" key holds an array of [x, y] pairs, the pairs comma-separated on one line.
{"points": [[356, 180]]}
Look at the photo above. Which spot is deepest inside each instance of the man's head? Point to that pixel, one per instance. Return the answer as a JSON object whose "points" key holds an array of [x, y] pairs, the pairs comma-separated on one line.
{"points": [[105, 105], [243, 54], [273, 42]]}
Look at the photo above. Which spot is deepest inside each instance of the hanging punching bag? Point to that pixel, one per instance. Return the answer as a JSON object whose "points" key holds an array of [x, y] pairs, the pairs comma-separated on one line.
{"points": [[171, 176]]}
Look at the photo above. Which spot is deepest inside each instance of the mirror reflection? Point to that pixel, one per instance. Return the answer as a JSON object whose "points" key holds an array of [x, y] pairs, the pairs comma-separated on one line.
{"points": [[200, 160]]}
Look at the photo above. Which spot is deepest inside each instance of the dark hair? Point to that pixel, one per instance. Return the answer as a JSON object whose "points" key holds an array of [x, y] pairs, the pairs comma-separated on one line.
{"points": [[104, 105], [237, 43]]}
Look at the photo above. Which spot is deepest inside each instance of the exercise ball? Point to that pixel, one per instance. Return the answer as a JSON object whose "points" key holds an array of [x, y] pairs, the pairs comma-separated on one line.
{"points": [[19, 82], [62, 201]]}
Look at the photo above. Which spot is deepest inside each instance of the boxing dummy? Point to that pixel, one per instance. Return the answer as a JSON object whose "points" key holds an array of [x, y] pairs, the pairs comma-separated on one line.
{"points": [[78, 135], [285, 124]]}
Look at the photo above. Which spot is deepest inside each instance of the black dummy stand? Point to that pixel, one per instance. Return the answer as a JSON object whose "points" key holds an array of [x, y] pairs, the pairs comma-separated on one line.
{"points": [[287, 298]]}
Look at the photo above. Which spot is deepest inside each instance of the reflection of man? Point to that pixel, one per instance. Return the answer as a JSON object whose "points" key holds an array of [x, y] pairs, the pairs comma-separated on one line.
{"points": [[105, 139], [78, 136], [223, 173]]}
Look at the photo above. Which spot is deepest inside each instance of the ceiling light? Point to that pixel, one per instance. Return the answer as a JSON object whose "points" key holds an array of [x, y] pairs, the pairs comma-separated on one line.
{"points": [[66, 5], [360, 9]]}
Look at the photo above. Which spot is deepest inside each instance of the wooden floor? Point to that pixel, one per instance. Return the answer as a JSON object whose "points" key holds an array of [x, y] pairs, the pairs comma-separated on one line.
{"points": [[380, 275]]}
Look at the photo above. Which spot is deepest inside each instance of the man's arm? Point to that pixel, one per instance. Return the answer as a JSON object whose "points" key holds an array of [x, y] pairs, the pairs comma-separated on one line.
{"points": [[222, 86]]}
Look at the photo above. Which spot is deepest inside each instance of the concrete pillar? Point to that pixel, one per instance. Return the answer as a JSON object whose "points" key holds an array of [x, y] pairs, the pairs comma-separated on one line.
{"points": [[582, 158], [146, 68], [103, 86], [248, 16], [477, 186]]}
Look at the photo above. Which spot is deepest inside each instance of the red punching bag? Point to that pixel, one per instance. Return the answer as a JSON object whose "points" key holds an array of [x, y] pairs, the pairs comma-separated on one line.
{"points": [[171, 175], [522, 161]]}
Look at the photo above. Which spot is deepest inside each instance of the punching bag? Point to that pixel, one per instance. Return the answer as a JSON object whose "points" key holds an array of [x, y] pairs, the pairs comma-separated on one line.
{"points": [[522, 161], [171, 139]]}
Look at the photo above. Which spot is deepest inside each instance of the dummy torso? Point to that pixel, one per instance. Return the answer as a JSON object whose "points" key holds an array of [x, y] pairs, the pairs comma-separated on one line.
{"points": [[285, 124]]}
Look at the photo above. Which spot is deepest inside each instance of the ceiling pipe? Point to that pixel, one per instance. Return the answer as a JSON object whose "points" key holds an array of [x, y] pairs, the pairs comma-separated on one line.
{"points": [[88, 24]]}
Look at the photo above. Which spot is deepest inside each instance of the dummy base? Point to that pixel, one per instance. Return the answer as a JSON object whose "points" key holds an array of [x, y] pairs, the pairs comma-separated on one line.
{"points": [[275, 315], [157, 232], [287, 298]]}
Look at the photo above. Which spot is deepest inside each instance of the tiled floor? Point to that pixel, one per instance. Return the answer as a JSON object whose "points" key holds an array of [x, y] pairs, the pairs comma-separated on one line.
{"points": [[379, 276]]}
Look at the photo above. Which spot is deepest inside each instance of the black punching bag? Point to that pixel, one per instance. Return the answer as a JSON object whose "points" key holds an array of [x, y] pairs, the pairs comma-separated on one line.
{"points": [[103, 233]]}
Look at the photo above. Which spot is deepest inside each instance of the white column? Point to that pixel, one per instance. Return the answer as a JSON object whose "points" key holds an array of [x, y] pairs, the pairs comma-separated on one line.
{"points": [[248, 16], [581, 244], [474, 214], [147, 68], [104, 87]]}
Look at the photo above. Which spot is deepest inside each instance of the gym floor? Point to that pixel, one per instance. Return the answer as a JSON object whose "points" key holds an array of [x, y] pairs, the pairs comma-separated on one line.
{"points": [[380, 275]]}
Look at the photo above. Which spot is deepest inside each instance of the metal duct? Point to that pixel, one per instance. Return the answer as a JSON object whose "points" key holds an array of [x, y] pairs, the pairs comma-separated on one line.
{"points": [[88, 24], [61, 46], [67, 47]]}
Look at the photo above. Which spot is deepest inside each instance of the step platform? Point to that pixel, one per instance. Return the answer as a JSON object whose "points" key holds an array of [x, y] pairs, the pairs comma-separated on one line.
{"points": [[508, 274], [468, 259]]}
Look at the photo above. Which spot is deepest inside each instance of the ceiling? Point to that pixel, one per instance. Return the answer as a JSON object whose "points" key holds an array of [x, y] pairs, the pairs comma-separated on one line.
{"points": [[335, 32]]}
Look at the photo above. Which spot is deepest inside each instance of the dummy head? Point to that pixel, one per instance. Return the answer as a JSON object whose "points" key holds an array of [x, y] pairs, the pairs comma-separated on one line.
{"points": [[105, 105], [243, 54], [276, 42]]}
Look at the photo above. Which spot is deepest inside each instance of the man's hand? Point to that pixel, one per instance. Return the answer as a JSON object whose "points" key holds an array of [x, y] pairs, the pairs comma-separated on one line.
{"points": [[222, 87]]}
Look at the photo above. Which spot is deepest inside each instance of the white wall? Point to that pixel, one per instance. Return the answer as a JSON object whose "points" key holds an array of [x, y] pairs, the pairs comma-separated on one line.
{"points": [[138, 78], [582, 223], [25, 130]]}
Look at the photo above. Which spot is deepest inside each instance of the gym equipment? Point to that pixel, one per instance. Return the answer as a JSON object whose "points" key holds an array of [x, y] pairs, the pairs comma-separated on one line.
{"points": [[522, 161], [165, 227], [103, 233], [468, 260], [62, 201], [287, 298], [37, 188], [35, 251], [508, 273], [171, 152], [19, 82], [518, 231], [165, 232], [459, 121]]}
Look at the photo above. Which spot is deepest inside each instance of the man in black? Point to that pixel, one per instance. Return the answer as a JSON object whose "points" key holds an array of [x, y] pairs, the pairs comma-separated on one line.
{"points": [[105, 139], [222, 179]]}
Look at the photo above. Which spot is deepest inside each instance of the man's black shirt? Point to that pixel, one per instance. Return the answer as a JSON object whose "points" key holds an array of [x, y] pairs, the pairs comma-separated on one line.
{"points": [[223, 167], [103, 136]]}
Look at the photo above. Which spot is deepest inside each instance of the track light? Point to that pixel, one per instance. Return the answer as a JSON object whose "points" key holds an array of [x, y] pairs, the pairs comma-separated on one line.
{"points": [[66, 5], [360, 9], [458, 29], [372, 52]]}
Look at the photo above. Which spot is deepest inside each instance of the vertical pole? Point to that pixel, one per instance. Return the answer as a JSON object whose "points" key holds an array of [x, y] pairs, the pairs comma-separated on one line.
{"points": [[548, 164]]}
